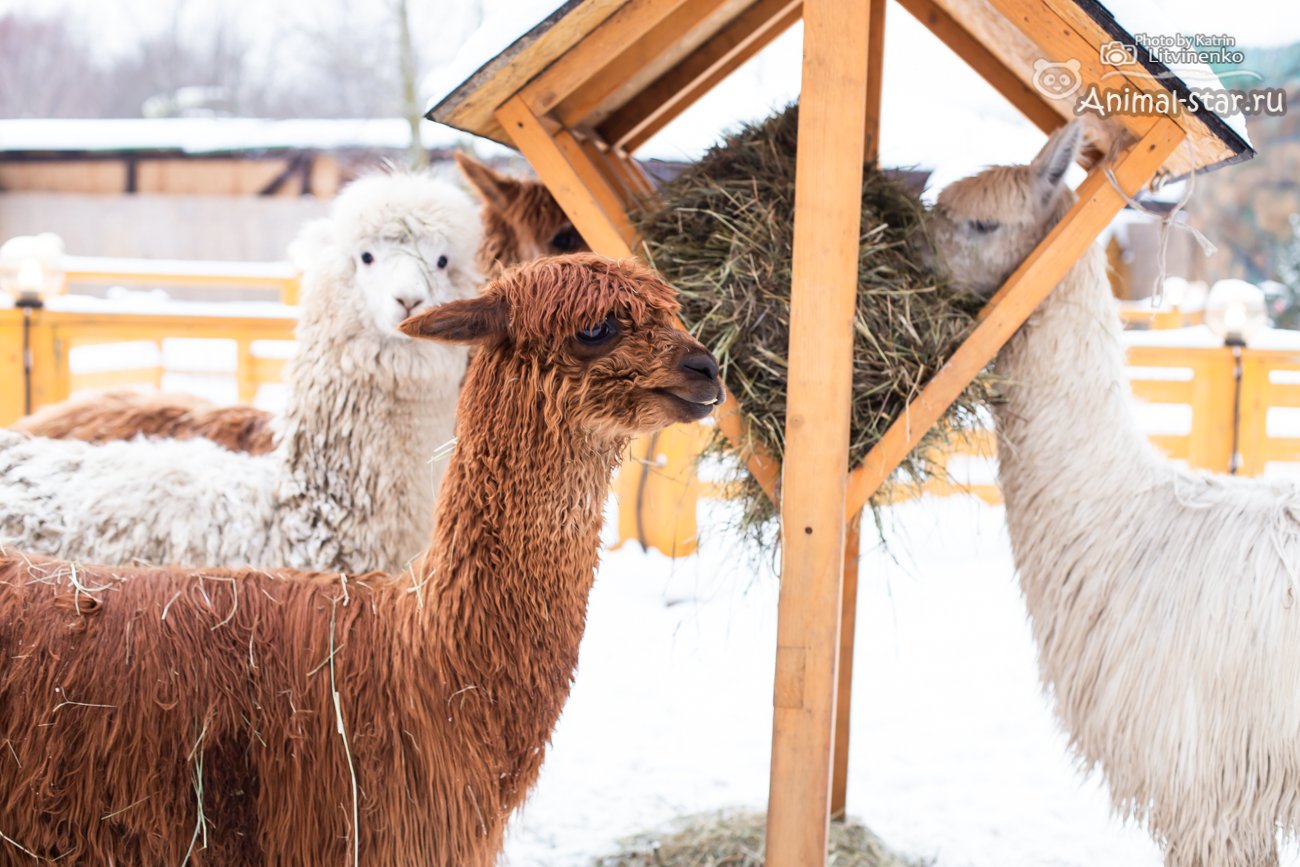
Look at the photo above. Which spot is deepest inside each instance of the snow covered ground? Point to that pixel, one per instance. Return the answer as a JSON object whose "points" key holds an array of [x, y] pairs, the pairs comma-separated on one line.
{"points": [[955, 754]]}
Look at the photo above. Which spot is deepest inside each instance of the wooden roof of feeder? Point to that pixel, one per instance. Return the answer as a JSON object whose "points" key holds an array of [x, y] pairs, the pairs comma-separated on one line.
{"points": [[624, 70], [580, 92]]}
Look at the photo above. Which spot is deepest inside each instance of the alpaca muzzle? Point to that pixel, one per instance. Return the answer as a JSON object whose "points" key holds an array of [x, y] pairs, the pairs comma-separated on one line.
{"points": [[701, 389]]}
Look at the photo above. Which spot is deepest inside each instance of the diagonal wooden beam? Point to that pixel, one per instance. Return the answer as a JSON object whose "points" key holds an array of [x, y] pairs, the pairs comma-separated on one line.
{"points": [[1059, 41], [676, 90], [578, 186], [1098, 203], [636, 174], [571, 70], [1042, 113], [614, 174], [623, 74]]}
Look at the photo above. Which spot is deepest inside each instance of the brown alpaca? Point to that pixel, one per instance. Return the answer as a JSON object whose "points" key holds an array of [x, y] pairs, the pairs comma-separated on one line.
{"points": [[521, 219], [521, 222], [165, 716], [119, 415]]}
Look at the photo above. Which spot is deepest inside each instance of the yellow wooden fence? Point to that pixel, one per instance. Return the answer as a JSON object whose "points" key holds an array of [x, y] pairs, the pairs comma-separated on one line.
{"points": [[1229, 393], [52, 332], [658, 489]]}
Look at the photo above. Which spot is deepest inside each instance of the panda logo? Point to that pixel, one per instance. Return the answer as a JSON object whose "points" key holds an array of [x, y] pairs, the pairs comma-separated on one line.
{"points": [[1057, 80]]}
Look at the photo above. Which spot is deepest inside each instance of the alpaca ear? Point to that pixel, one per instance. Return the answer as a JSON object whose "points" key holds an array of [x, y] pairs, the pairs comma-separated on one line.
{"points": [[495, 189], [471, 320], [1060, 152]]}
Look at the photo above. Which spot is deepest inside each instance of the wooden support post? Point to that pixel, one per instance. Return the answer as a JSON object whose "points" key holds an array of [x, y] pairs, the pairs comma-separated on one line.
{"points": [[11, 366], [569, 174], [1251, 395], [245, 371], [844, 694], [832, 117], [849, 590], [875, 81], [51, 377], [1098, 203], [1209, 447]]}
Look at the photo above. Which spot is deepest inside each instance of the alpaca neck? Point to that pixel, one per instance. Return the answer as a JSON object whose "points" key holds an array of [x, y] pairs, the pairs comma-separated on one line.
{"points": [[1066, 426], [514, 555], [365, 413]]}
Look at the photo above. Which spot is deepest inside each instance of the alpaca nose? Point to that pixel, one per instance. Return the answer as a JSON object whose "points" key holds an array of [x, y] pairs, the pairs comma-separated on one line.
{"points": [[701, 364], [408, 304]]}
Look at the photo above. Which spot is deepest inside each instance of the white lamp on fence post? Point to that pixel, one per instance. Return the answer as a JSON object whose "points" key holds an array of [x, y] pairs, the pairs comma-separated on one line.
{"points": [[1236, 312], [31, 270]]}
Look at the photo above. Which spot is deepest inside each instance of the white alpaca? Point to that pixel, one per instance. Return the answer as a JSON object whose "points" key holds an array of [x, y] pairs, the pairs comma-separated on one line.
{"points": [[350, 485], [1164, 602]]}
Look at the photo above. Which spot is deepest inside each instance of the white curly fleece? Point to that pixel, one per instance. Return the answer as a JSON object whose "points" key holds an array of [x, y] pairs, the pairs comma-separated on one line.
{"points": [[350, 485]]}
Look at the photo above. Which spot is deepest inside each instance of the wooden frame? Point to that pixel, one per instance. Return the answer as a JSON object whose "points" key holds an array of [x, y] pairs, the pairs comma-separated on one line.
{"points": [[619, 73]]}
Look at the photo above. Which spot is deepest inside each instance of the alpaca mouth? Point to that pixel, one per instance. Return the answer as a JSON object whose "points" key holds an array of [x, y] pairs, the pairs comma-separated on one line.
{"points": [[694, 405]]}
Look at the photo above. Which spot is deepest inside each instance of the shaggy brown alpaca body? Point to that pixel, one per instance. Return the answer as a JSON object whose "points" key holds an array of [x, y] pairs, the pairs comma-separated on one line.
{"points": [[154, 716], [521, 222], [120, 415]]}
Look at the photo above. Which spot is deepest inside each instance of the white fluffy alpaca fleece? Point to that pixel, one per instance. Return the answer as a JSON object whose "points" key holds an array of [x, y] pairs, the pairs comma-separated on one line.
{"points": [[350, 485], [1163, 602]]}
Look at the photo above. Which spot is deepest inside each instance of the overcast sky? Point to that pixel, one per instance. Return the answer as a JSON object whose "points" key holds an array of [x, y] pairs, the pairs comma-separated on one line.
{"points": [[1252, 22]]}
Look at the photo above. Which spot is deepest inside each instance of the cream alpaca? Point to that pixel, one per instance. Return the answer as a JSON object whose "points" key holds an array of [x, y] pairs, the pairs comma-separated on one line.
{"points": [[350, 485], [1163, 601]]}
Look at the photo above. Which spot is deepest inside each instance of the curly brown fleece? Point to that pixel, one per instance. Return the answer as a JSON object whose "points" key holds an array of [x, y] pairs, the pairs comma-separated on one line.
{"points": [[120, 415], [521, 222], [164, 716]]}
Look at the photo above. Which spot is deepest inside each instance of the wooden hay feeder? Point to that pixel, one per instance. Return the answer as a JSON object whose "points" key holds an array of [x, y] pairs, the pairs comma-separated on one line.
{"points": [[579, 93]]}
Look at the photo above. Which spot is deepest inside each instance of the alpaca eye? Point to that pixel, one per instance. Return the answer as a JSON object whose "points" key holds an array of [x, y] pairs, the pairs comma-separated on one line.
{"points": [[984, 227], [367, 258], [567, 240], [442, 261], [599, 333]]}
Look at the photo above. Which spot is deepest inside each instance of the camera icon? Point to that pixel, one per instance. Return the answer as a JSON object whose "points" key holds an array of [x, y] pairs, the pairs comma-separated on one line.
{"points": [[1118, 54], [1057, 80]]}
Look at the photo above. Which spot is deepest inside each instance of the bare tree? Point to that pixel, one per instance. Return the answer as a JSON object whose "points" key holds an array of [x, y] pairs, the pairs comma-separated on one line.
{"points": [[45, 68], [412, 110]]}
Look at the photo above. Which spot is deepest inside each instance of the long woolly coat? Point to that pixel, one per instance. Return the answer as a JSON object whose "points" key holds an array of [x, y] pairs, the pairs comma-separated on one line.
{"points": [[283, 719], [1163, 601], [350, 486]]}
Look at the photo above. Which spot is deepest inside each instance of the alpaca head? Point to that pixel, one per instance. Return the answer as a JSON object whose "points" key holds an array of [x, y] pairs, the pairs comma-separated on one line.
{"points": [[598, 336], [522, 220], [985, 225], [394, 244]]}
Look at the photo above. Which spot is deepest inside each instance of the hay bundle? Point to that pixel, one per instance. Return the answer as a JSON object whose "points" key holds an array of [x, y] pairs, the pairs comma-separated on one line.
{"points": [[723, 234], [737, 840]]}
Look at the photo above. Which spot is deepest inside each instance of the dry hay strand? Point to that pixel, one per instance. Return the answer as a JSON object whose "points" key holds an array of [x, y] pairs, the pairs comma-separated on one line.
{"points": [[722, 232], [732, 839]]}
